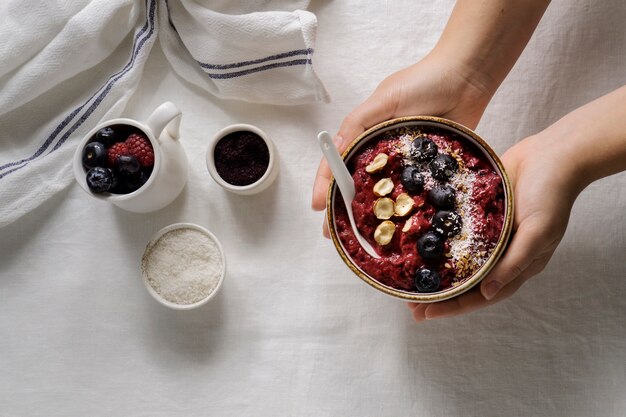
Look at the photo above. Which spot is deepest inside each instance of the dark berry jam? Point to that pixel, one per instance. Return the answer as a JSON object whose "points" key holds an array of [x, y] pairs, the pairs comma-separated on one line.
{"points": [[241, 158]]}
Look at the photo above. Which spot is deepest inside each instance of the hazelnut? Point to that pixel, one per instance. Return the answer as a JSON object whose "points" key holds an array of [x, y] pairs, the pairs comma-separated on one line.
{"points": [[384, 232], [377, 164], [383, 187], [408, 224], [404, 204], [383, 208]]}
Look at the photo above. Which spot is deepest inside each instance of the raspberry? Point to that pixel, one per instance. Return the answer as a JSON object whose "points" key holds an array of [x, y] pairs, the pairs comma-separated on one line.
{"points": [[141, 148], [115, 151]]}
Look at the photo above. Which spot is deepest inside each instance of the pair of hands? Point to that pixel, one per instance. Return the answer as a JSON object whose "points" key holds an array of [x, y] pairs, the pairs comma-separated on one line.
{"points": [[545, 188]]}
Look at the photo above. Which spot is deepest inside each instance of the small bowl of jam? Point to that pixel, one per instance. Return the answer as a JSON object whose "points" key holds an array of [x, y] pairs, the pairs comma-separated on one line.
{"points": [[242, 159]]}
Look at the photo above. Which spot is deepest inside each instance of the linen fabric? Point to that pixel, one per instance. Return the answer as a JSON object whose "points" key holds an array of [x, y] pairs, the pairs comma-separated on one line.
{"points": [[72, 65], [293, 332]]}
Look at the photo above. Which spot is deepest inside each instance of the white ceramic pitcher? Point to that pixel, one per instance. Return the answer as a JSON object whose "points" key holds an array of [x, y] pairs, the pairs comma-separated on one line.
{"points": [[170, 171]]}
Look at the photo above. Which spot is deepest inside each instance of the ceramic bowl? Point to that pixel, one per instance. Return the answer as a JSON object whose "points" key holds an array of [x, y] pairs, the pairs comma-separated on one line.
{"points": [[463, 132], [170, 170], [262, 183], [146, 259]]}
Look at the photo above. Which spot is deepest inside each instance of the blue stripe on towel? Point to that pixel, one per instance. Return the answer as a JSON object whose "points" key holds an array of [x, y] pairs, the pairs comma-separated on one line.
{"points": [[235, 74], [308, 52], [104, 90], [289, 54]]}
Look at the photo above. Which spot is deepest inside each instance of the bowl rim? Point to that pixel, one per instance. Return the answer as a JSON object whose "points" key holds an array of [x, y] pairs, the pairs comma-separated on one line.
{"points": [[258, 185], [144, 276], [80, 172], [504, 234]]}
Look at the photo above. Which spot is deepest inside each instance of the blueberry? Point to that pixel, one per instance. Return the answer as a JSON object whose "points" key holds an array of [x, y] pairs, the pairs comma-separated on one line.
{"points": [[423, 149], [123, 186], [426, 280], [442, 197], [100, 179], [447, 223], [107, 135], [443, 167], [131, 182], [430, 246], [142, 178], [127, 165], [412, 180], [94, 155]]}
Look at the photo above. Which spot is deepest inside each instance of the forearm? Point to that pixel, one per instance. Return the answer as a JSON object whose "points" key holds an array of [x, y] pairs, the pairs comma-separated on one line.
{"points": [[592, 138], [485, 37]]}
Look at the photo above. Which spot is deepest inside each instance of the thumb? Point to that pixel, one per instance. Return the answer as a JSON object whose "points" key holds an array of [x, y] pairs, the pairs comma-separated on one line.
{"points": [[526, 243], [379, 107], [375, 109]]}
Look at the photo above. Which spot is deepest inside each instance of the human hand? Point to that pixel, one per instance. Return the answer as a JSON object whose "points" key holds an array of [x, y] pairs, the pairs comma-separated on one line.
{"points": [[545, 184], [435, 86], [476, 50]]}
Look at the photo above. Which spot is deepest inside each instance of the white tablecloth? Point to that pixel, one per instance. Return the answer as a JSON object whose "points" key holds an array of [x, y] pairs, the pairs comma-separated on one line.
{"points": [[293, 332]]}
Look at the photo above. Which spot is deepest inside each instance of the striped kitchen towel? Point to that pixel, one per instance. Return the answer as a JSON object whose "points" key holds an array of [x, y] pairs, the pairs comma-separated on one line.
{"points": [[64, 69], [259, 57]]}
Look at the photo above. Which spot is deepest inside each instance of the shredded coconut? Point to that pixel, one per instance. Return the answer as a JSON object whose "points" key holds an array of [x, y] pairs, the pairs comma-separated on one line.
{"points": [[465, 242], [184, 265], [467, 249]]}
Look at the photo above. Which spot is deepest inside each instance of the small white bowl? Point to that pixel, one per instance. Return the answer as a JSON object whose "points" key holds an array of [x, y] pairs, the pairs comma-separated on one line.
{"points": [[155, 239], [262, 183]]}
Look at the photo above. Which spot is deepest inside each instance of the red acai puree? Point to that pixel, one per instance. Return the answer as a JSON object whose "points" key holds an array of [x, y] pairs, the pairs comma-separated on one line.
{"points": [[479, 203]]}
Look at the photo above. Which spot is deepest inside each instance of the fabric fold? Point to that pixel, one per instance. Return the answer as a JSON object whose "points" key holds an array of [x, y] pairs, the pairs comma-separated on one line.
{"points": [[263, 57], [55, 92]]}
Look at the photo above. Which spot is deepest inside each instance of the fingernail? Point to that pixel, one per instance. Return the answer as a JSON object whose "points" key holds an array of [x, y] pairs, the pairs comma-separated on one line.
{"points": [[337, 140], [492, 289]]}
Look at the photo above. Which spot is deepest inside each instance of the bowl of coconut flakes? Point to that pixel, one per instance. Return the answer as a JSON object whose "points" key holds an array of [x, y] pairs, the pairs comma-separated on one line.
{"points": [[183, 266]]}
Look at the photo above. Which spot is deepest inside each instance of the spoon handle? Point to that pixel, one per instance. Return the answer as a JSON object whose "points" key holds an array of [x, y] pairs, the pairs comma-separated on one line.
{"points": [[338, 168], [345, 183]]}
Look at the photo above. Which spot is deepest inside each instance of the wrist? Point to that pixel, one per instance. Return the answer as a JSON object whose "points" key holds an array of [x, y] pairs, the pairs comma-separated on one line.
{"points": [[592, 137], [562, 142], [465, 87], [477, 83], [485, 38]]}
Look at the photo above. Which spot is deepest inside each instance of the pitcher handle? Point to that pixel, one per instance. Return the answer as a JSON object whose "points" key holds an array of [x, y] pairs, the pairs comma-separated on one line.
{"points": [[167, 115]]}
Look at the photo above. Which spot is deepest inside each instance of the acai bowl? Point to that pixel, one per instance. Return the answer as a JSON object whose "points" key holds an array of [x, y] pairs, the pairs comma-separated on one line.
{"points": [[434, 201]]}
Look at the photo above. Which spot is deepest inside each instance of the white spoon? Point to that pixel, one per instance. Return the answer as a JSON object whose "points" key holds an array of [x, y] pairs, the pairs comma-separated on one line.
{"points": [[344, 182]]}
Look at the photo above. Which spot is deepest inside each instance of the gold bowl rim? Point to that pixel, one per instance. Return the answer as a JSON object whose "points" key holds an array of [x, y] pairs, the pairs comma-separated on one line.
{"points": [[483, 270]]}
